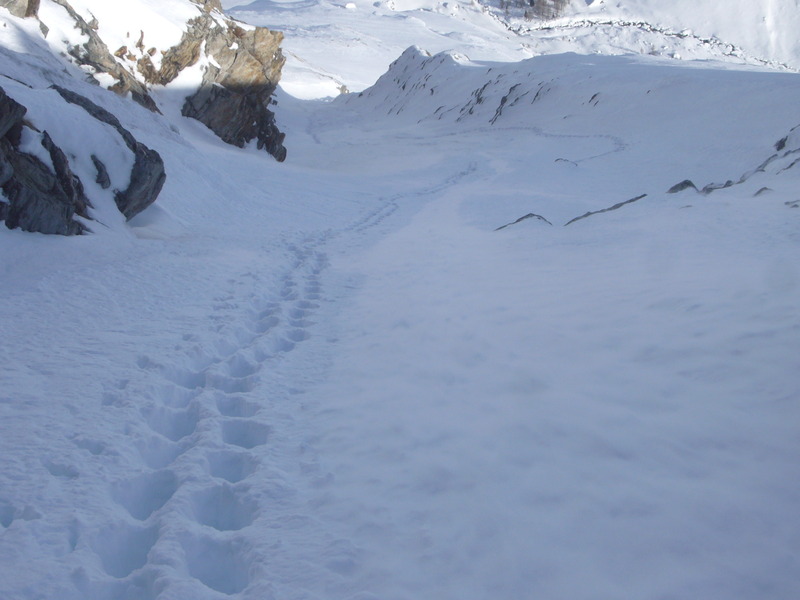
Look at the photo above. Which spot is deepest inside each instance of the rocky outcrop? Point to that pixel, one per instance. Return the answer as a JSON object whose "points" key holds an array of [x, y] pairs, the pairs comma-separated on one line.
{"points": [[147, 176], [38, 197], [238, 82], [21, 8]]}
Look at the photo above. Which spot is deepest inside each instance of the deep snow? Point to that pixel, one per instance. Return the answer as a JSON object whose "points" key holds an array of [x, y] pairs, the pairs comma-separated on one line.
{"points": [[333, 378]]}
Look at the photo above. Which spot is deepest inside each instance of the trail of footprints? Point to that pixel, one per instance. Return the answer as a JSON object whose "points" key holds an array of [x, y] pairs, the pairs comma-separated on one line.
{"points": [[193, 438], [199, 440]]}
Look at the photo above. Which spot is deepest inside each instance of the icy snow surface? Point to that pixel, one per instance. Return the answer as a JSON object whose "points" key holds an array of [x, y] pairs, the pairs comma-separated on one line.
{"points": [[335, 378]]}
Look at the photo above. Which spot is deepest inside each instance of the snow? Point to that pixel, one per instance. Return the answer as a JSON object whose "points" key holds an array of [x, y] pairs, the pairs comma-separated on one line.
{"points": [[334, 378]]}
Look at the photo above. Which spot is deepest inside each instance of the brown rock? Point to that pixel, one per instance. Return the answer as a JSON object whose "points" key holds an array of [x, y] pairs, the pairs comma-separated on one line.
{"points": [[21, 8]]}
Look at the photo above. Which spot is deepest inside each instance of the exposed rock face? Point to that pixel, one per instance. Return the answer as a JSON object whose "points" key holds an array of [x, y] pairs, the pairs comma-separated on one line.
{"points": [[148, 175], [39, 198]]}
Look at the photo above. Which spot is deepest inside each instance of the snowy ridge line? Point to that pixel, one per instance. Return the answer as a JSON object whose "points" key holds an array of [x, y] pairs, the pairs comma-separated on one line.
{"points": [[726, 49]]}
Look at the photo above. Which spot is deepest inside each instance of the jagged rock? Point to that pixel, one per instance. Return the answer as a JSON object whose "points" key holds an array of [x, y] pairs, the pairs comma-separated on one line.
{"points": [[38, 199], [21, 8], [148, 175]]}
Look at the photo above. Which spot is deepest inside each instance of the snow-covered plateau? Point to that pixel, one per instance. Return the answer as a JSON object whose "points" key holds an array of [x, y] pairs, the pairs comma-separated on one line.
{"points": [[517, 318]]}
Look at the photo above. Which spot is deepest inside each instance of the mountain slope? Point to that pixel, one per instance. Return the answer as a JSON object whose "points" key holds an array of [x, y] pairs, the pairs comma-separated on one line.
{"points": [[469, 340], [370, 35]]}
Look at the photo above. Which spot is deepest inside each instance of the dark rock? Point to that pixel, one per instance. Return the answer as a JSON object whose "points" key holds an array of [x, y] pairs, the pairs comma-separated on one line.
{"points": [[763, 190], [781, 143], [11, 113], [237, 118], [102, 179], [148, 175], [36, 199], [683, 185]]}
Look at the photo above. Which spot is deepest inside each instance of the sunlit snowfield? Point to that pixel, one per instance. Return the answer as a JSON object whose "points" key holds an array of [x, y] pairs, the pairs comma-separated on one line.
{"points": [[337, 378]]}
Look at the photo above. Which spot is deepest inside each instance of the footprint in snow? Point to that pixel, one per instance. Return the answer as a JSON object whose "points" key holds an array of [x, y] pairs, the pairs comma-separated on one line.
{"points": [[244, 433], [143, 495]]}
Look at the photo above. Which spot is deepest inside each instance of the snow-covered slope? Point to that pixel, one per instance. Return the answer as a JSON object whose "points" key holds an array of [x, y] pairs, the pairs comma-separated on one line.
{"points": [[341, 377], [368, 36]]}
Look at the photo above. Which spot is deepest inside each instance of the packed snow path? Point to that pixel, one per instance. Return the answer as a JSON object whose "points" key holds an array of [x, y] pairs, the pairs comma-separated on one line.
{"points": [[334, 379]]}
